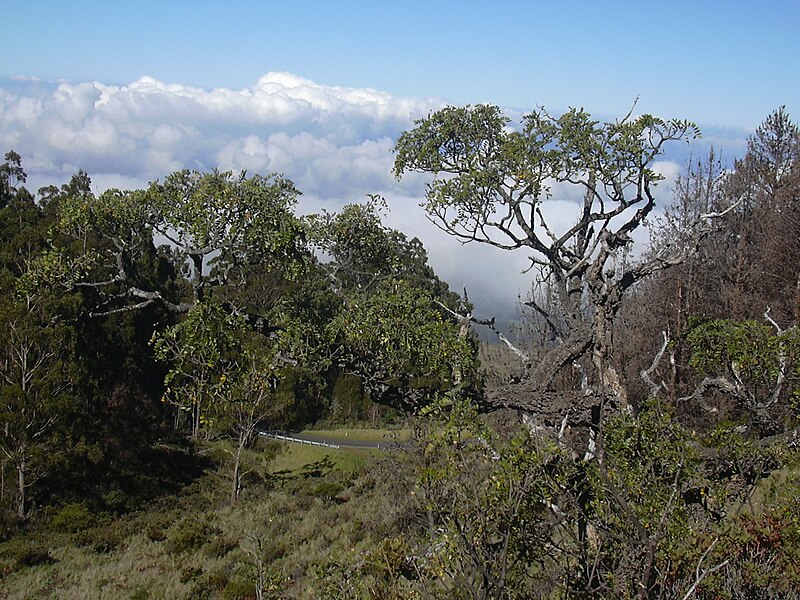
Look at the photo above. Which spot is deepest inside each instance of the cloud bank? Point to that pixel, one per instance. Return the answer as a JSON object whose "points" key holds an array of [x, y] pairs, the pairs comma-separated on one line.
{"points": [[149, 128], [335, 143]]}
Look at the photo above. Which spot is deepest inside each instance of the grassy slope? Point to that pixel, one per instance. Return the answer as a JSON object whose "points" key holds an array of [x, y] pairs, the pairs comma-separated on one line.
{"points": [[301, 507]]}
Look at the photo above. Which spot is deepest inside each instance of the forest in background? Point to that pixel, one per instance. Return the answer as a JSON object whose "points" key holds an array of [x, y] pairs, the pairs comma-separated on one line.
{"points": [[636, 438]]}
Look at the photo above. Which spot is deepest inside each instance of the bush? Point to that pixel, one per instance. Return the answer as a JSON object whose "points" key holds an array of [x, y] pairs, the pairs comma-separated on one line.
{"points": [[207, 585], [101, 540], [219, 547], [156, 527], [23, 553], [239, 590], [190, 574], [116, 501], [190, 534], [72, 518], [140, 593]]}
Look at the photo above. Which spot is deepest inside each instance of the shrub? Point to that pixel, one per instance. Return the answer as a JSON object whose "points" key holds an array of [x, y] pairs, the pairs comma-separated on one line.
{"points": [[22, 553], [101, 539], [219, 547], [156, 526], [210, 584], [190, 574], [239, 589], [72, 518], [190, 534], [116, 501], [140, 593]]}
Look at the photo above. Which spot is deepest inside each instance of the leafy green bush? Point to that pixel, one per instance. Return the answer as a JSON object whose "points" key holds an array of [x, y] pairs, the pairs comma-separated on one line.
{"points": [[207, 585], [72, 518], [349, 401], [140, 593], [156, 526], [239, 589], [116, 500], [190, 574]]}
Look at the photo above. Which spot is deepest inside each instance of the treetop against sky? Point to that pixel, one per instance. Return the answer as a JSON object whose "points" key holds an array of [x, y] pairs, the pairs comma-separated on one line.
{"points": [[131, 92]]}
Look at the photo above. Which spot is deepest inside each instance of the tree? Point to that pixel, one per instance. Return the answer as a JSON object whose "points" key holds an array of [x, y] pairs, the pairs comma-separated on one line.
{"points": [[492, 185], [189, 242], [11, 175], [740, 283], [202, 351], [252, 400], [394, 329], [34, 393], [36, 348], [403, 349], [35, 373], [212, 226]]}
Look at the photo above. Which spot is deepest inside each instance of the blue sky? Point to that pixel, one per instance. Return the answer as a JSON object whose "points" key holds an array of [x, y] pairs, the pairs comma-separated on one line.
{"points": [[132, 90], [719, 63]]}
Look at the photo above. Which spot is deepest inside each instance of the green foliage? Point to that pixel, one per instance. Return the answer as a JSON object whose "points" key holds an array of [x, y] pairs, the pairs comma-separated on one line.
{"points": [[192, 533], [348, 402], [485, 162], [486, 499], [242, 220], [115, 214], [401, 346], [239, 590], [20, 553], [202, 351], [11, 175], [102, 539], [758, 361], [753, 347], [51, 271], [73, 517], [364, 251], [251, 328], [650, 447], [246, 217], [328, 490], [36, 386]]}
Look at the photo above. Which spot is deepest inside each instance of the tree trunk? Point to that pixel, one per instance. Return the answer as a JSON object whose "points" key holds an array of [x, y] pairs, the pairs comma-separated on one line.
{"points": [[196, 420], [21, 487], [237, 468]]}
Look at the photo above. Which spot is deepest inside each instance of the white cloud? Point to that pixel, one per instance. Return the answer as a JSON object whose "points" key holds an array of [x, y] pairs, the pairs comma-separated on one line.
{"points": [[149, 127]]}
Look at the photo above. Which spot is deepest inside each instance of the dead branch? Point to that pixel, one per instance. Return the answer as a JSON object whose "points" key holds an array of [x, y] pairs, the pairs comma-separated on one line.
{"points": [[646, 373], [702, 574]]}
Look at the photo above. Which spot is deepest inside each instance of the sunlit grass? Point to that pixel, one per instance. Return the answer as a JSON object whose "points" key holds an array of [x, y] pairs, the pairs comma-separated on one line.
{"points": [[303, 502], [296, 457], [369, 435]]}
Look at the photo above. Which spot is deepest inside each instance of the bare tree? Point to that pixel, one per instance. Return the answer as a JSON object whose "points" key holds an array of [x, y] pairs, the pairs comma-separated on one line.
{"points": [[493, 185]]}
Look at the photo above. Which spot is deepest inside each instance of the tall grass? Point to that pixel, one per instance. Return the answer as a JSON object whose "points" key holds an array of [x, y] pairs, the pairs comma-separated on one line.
{"points": [[301, 507]]}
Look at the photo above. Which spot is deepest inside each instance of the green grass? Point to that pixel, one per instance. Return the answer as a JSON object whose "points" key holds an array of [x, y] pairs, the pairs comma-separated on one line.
{"points": [[294, 458], [325, 503], [368, 435]]}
